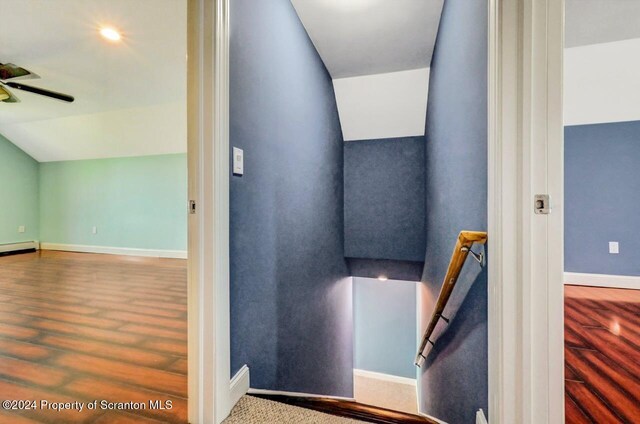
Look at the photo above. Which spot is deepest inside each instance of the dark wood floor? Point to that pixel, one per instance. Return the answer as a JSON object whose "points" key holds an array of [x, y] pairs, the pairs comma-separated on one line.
{"points": [[602, 355], [349, 409], [84, 327]]}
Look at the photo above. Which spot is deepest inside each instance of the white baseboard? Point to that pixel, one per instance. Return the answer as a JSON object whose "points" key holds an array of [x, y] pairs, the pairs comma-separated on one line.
{"points": [[295, 394], [14, 247], [480, 418], [239, 385], [126, 251], [602, 280], [385, 377]]}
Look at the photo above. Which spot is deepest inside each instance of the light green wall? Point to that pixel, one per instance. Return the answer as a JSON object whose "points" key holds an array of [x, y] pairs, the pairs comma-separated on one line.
{"points": [[137, 202], [18, 194]]}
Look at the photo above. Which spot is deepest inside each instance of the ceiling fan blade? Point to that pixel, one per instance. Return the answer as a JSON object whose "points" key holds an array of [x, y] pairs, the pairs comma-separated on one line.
{"points": [[10, 71], [41, 91], [7, 97]]}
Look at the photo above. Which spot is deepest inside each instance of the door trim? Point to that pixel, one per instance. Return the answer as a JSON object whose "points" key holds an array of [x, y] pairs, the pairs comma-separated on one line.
{"points": [[209, 385], [525, 157], [526, 359]]}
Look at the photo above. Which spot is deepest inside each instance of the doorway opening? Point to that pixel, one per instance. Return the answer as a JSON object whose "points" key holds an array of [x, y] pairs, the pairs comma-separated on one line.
{"points": [[602, 186], [93, 222]]}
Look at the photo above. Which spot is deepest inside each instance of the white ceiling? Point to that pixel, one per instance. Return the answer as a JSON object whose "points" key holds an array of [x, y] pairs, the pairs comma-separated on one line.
{"points": [[384, 105], [601, 61], [601, 83], [365, 37], [130, 96], [601, 21]]}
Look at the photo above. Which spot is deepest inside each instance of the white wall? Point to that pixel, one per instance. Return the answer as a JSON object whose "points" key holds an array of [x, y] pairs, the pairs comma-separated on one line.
{"points": [[383, 105], [602, 83]]}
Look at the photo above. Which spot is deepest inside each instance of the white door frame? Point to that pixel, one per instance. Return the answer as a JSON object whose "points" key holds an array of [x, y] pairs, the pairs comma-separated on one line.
{"points": [[526, 358], [526, 362], [208, 152]]}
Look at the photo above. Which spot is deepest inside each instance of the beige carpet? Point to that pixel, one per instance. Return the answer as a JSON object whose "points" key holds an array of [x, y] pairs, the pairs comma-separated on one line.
{"points": [[252, 410]]}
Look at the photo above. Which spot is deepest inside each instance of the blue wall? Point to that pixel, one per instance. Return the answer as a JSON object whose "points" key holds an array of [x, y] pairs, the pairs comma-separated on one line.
{"points": [[384, 207], [455, 379], [291, 300], [602, 197], [19, 203], [392, 269], [385, 326]]}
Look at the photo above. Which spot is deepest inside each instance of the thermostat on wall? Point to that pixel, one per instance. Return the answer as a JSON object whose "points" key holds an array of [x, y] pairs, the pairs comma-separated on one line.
{"points": [[238, 161]]}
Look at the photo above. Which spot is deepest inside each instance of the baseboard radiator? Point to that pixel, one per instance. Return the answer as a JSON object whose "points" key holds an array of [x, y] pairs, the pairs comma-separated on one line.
{"points": [[13, 248]]}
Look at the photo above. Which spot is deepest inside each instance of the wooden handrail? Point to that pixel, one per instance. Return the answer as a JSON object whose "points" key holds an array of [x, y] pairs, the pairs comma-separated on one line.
{"points": [[466, 239]]}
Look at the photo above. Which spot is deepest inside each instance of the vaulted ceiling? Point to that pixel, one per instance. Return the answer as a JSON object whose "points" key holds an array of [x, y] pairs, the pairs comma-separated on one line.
{"points": [[601, 21], [365, 37], [378, 53], [601, 61], [130, 96]]}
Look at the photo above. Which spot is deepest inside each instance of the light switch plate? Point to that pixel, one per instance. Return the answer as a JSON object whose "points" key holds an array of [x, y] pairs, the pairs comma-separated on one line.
{"points": [[614, 247], [238, 161], [21, 229], [94, 230]]}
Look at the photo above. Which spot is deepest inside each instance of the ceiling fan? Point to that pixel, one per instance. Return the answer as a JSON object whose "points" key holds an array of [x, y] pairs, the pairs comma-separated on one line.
{"points": [[10, 74]]}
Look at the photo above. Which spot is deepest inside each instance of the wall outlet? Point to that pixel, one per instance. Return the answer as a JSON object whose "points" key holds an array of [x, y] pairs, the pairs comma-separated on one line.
{"points": [[94, 230], [614, 247], [22, 229]]}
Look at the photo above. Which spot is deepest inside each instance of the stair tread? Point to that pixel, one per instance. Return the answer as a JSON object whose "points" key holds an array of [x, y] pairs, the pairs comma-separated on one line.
{"points": [[349, 409]]}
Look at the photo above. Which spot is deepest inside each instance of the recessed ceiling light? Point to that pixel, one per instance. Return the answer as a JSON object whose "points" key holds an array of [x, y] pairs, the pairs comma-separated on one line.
{"points": [[382, 278], [110, 34]]}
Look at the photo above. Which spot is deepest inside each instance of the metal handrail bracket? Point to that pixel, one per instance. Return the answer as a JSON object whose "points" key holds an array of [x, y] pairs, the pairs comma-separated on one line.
{"points": [[466, 239]]}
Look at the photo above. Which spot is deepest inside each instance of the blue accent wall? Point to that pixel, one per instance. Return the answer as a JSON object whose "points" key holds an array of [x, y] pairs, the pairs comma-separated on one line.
{"points": [[602, 197], [385, 326], [392, 269], [384, 210], [454, 383], [291, 300]]}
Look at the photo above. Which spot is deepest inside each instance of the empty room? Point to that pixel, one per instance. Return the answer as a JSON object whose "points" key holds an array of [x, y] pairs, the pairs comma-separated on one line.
{"points": [[602, 197], [93, 211]]}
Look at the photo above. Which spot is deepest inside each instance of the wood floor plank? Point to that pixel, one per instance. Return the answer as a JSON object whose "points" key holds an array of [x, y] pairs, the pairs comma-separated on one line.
{"points": [[15, 391], [621, 353], [591, 404], [148, 330], [30, 372], [161, 305], [602, 339], [15, 418], [24, 350], [79, 327], [626, 382], [17, 332], [122, 418], [72, 318], [149, 378], [108, 350], [180, 366], [76, 309], [118, 306], [171, 323], [115, 392], [86, 331], [573, 413], [169, 346]]}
